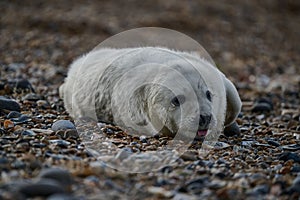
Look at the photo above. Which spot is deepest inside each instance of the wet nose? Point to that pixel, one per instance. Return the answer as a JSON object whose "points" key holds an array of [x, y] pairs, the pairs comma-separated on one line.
{"points": [[204, 120]]}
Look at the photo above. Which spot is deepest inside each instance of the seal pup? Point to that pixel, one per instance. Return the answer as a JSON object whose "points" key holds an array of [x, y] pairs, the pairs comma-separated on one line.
{"points": [[150, 90]]}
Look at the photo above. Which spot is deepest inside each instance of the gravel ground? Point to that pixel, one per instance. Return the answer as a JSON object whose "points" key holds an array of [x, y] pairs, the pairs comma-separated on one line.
{"points": [[256, 43]]}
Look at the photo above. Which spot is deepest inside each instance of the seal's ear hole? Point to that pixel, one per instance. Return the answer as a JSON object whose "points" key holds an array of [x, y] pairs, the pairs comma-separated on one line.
{"points": [[208, 95], [178, 100]]}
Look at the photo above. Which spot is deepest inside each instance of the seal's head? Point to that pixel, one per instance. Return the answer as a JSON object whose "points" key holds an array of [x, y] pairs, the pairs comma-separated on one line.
{"points": [[178, 101]]}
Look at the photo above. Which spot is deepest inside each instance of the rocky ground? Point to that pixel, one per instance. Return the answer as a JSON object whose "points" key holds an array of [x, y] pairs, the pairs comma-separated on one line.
{"points": [[256, 43]]}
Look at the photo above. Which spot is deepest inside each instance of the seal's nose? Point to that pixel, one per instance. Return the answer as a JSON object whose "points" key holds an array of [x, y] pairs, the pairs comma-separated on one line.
{"points": [[204, 120]]}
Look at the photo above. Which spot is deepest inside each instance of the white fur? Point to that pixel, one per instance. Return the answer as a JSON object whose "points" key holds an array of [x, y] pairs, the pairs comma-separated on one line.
{"points": [[99, 86]]}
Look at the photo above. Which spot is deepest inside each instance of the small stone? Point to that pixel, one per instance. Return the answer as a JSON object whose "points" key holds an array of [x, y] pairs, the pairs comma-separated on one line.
{"points": [[60, 133], [216, 184], [291, 147], [289, 156], [29, 133], [43, 104], [62, 125], [23, 84], [13, 114], [232, 129], [38, 145], [9, 104], [166, 169], [265, 100], [261, 107], [32, 97], [273, 143], [60, 143], [44, 188], [60, 175], [71, 133], [8, 124], [143, 139], [44, 131], [221, 145], [21, 119]]}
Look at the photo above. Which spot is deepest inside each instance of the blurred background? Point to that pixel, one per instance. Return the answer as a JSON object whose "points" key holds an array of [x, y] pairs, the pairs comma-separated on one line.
{"points": [[245, 38]]}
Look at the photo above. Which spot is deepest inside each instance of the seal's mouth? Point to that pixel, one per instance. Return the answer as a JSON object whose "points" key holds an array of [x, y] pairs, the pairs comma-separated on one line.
{"points": [[202, 133]]}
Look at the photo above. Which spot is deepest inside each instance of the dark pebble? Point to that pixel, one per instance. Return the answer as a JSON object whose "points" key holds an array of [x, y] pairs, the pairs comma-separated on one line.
{"points": [[55, 156], [32, 97], [60, 143], [263, 165], [205, 163], [28, 132], [23, 84], [166, 169], [220, 175], [21, 119], [265, 100], [9, 104], [61, 175], [71, 133], [60, 133], [261, 107], [44, 188], [62, 125], [196, 186], [273, 143], [291, 147], [232, 130], [13, 114], [289, 156]]}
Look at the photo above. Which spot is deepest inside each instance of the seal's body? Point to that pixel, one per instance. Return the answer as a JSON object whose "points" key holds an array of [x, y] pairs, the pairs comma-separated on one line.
{"points": [[151, 89]]}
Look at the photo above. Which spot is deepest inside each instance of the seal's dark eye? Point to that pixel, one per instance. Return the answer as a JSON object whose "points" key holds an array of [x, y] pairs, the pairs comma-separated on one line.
{"points": [[208, 95], [178, 100]]}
